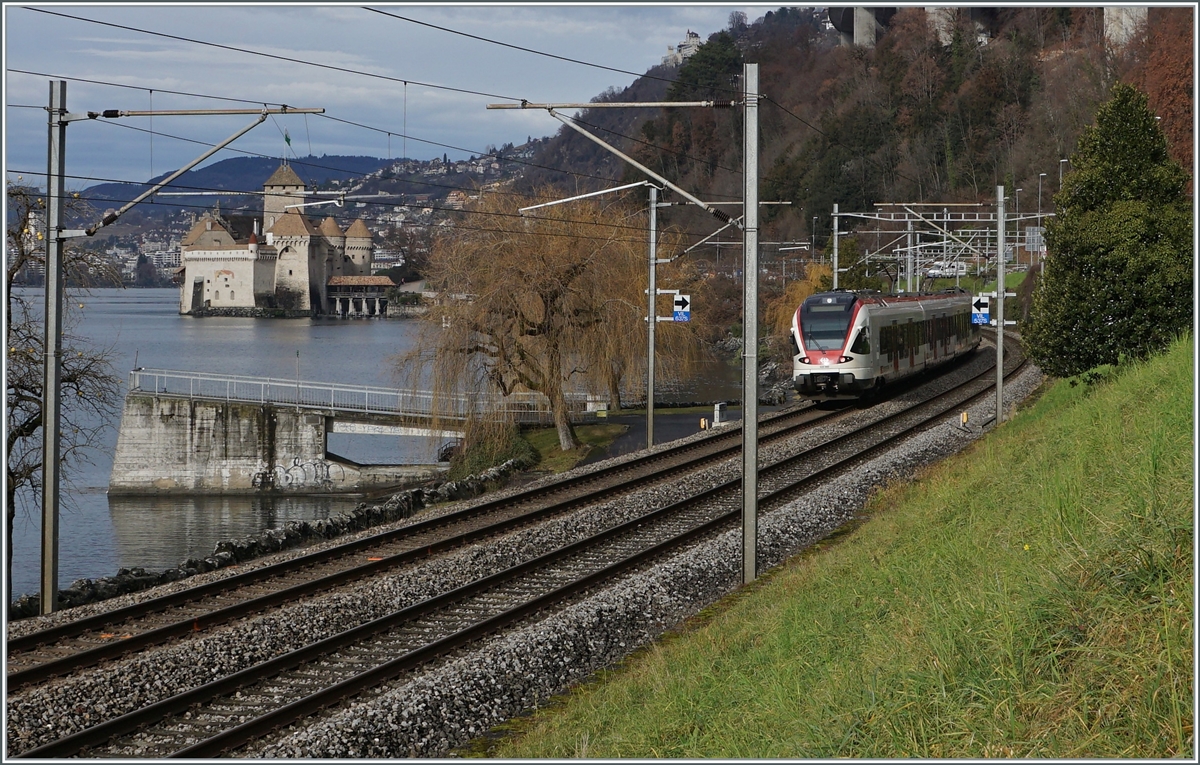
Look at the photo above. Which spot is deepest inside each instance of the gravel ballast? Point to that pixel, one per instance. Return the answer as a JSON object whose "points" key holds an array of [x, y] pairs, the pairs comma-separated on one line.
{"points": [[434, 711], [447, 706]]}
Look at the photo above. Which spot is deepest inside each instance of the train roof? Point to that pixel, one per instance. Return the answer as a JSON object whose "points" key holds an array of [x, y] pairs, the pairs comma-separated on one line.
{"points": [[885, 298]]}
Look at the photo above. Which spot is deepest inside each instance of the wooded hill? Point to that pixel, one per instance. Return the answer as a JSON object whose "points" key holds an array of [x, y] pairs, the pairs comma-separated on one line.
{"points": [[909, 120]]}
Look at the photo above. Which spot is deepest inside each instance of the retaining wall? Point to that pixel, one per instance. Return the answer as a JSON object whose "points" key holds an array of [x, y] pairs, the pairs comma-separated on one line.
{"points": [[177, 445]]}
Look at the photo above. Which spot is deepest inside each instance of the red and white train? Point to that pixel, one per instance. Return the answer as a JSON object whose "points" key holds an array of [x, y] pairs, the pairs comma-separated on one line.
{"points": [[849, 344]]}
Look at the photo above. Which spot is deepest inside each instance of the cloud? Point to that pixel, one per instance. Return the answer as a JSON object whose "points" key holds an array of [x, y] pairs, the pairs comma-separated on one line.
{"points": [[622, 37]]}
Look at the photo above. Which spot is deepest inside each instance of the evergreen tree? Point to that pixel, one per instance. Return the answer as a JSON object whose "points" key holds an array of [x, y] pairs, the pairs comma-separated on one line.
{"points": [[1118, 274]]}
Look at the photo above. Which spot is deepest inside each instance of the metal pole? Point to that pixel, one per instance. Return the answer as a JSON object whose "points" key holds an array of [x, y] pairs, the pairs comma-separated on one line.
{"points": [[835, 245], [999, 304], [908, 260], [750, 330], [651, 316], [51, 414]]}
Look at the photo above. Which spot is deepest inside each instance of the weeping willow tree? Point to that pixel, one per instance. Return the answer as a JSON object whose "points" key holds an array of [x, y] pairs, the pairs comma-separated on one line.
{"points": [[552, 303]]}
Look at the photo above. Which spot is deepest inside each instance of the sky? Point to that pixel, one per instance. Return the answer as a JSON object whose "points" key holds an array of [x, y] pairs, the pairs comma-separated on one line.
{"points": [[631, 37]]}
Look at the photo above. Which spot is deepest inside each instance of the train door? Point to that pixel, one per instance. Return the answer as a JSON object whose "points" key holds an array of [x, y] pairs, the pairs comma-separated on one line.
{"points": [[933, 337], [911, 341], [897, 346]]}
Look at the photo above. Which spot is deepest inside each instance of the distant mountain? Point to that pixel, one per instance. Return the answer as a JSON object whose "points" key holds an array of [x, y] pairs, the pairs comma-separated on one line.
{"points": [[240, 174]]}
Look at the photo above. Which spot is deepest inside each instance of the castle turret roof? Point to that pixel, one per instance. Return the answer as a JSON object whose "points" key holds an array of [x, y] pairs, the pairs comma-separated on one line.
{"points": [[329, 227], [358, 229], [284, 176], [292, 223]]}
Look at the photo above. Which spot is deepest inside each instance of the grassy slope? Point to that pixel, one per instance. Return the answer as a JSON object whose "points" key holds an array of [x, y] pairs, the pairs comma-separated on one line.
{"points": [[1031, 598], [555, 460]]}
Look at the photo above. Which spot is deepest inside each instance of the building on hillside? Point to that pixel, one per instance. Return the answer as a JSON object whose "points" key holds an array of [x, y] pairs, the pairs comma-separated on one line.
{"points": [[279, 265], [687, 47]]}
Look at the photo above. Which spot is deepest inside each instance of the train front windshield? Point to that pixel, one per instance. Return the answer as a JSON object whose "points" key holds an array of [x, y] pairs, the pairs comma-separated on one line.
{"points": [[824, 321]]}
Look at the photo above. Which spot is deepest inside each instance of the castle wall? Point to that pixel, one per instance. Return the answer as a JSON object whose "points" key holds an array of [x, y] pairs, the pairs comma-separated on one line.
{"points": [[227, 280], [291, 286]]}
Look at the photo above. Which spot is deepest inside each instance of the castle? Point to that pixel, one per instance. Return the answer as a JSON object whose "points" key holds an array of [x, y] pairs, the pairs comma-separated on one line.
{"points": [[301, 269]]}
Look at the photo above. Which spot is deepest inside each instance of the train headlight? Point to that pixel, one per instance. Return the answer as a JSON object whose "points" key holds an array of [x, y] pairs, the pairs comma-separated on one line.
{"points": [[844, 359]]}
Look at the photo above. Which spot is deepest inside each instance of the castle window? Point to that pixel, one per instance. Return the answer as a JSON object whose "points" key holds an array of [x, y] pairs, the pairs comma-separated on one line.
{"points": [[231, 294], [289, 272]]}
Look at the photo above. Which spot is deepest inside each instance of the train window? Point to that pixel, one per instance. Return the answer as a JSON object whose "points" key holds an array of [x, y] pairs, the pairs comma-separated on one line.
{"points": [[862, 343], [825, 321]]}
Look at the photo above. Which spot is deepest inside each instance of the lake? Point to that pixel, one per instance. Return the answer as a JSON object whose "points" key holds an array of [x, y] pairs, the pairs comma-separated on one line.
{"points": [[99, 534]]}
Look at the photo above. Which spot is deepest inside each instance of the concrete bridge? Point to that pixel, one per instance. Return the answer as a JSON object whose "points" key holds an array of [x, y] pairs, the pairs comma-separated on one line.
{"points": [[194, 433]]}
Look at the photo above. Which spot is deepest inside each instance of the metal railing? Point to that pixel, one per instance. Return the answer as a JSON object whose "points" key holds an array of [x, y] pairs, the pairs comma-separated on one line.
{"points": [[349, 399]]}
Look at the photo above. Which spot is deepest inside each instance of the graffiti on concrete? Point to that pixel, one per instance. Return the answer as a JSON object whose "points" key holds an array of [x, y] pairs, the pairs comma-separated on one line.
{"points": [[300, 474]]}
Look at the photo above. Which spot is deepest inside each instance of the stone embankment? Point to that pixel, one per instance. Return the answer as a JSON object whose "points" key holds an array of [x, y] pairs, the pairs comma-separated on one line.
{"points": [[254, 313], [291, 535]]}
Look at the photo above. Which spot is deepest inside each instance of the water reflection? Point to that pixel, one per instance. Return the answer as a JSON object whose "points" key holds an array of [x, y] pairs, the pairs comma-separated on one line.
{"points": [[160, 532]]}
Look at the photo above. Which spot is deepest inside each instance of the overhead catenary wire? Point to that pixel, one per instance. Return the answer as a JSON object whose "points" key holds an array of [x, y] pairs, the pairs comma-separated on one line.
{"points": [[353, 173], [379, 220], [142, 87], [644, 75], [404, 81], [366, 202], [275, 56], [497, 155], [656, 146], [534, 51], [403, 135]]}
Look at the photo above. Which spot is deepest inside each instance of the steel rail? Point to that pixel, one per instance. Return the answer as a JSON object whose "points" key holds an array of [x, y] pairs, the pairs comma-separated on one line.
{"points": [[251, 730], [243, 733], [41, 672], [47, 670]]}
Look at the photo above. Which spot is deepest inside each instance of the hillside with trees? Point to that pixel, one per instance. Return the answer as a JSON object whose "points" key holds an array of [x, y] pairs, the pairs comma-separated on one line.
{"points": [[918, 118]]}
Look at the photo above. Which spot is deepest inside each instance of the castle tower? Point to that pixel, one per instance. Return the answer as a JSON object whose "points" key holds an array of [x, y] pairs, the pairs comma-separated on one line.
{"points": [[300, 266], [359, 250], [283, 188], [335, 242]]}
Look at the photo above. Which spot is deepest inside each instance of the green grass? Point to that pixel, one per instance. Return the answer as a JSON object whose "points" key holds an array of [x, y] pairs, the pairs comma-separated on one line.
{"points": [[555, 460], [1032, 597], [976, 284], [668, 410]]}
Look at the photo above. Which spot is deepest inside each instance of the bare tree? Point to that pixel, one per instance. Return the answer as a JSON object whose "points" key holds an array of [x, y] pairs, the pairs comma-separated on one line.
{"points": [[90, 391], [549, 303]]}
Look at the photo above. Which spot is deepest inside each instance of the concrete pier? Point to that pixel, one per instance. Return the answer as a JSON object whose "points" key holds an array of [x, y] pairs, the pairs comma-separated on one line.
{"points": [[169, 444]]}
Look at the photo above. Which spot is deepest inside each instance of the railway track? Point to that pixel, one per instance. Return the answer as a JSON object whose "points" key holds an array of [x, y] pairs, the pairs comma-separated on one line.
{"points": [[53, 652], [244, 705]]}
